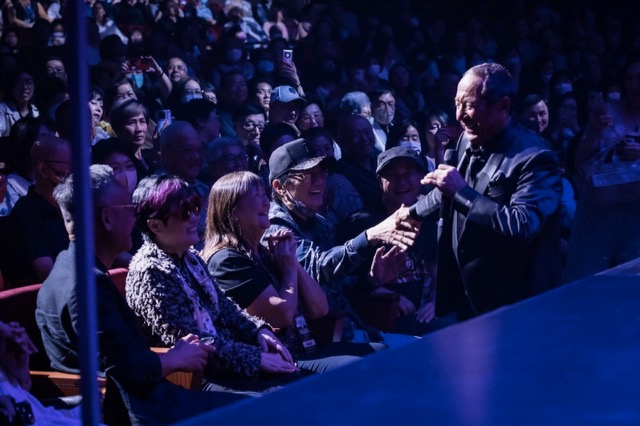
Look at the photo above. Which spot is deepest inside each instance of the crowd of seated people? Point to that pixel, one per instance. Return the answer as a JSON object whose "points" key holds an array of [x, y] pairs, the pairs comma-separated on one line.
{"points": [[313, 121]]}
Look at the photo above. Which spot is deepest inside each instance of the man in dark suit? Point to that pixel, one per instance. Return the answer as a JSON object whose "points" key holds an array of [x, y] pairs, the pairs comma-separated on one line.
{"points": [[499, 200], [125, 356]]}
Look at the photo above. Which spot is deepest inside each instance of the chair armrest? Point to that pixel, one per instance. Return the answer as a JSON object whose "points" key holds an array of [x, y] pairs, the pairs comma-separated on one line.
{"points": [[54, 384], [379, 310], [186, 379]]}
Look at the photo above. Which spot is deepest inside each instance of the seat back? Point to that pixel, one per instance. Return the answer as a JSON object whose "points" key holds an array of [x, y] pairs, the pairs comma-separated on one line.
{"points": [[19, 305]]}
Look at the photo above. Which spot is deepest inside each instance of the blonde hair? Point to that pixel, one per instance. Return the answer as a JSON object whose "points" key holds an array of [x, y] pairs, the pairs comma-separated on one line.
{"points": [[221, 230]]}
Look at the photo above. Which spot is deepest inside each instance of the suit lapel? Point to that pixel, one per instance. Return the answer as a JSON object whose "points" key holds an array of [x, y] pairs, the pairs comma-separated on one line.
{"points": [[489, 169]]}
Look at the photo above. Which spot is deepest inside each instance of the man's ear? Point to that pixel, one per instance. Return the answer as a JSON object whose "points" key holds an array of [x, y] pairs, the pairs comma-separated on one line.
{"points": [[277, 186], [106, 219], [505, 105]]}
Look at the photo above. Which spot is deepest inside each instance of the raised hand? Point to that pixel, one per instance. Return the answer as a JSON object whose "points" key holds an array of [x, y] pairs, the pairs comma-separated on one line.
{"points": [[387, 266]]}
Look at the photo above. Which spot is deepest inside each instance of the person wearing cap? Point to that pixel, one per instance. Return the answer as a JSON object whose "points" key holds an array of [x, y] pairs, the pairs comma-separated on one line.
{"points": [[285, 106], [298, 179], [411, 273]]}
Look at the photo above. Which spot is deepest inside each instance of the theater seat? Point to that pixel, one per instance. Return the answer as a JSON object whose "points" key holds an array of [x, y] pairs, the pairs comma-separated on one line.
{"points": [[19, 305], [181, 378]]}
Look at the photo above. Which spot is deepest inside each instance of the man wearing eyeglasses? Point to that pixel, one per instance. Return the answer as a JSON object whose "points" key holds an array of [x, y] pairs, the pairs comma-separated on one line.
{"points": [[36, 224]]}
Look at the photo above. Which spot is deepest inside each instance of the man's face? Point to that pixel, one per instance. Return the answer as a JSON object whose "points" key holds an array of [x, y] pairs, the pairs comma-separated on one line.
{"points": [[232, 159], [400, 182], [176, 70], [480, 121], [211, 126], [307, 186], [234, 89], [249, 129], [122, 215], [358, 137], [384, 109], [284, 112], [185, 157], [55, 68], [539, 115]]}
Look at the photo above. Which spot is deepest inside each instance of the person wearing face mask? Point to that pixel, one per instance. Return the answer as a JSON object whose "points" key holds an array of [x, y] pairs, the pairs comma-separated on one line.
{"points": [[182, 92], [406, 134], [37, 228], [383, 111]]}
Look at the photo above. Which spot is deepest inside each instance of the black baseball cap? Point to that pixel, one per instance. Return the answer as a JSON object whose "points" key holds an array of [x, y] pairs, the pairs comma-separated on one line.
{"points": [[294, 155], [391, 154]]}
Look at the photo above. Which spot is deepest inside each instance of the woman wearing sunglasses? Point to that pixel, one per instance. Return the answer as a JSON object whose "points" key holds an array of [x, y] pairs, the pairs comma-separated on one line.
{"points": [[170, 290], [267, 280]]}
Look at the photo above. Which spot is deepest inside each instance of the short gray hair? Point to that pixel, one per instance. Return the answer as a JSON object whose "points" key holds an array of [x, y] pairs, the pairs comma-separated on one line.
{"points": [[354, 102], [101, 177]]}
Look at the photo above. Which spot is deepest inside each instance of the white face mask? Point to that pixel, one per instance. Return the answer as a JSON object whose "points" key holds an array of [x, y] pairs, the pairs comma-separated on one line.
{"points": [[413, 145], [191, 96], [128, 178]]}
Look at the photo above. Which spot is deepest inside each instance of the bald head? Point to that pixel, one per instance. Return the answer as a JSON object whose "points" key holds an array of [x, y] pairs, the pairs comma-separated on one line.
{"points": [[50, 148], [181, 151]]}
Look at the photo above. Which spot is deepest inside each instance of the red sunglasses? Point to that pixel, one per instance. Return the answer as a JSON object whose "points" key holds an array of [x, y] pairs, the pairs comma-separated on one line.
{"points": [[187, 207]]}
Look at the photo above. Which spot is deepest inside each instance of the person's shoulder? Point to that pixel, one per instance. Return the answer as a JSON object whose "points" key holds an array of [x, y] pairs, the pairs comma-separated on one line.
{"points": [[149, 258]]}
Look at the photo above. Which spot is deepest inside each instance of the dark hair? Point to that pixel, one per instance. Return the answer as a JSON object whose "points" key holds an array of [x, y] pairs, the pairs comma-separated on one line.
{"points": [[120, 114], [397, 132], [273, 131], [11, 80], [105, 147], [496, 82], [174, 100], [531, 100], [193, 110], [112, 92], [95, 92], [246, 110], [22, 136], [156, 196]]}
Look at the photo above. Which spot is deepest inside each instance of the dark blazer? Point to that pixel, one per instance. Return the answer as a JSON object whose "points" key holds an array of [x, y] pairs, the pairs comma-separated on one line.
{"points": [[125, 354], [505, 246]]}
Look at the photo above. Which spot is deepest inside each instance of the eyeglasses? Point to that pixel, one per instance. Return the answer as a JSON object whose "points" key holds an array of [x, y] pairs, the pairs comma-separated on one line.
{"points": [[60, 174], [186, 208], [250, 125]]}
